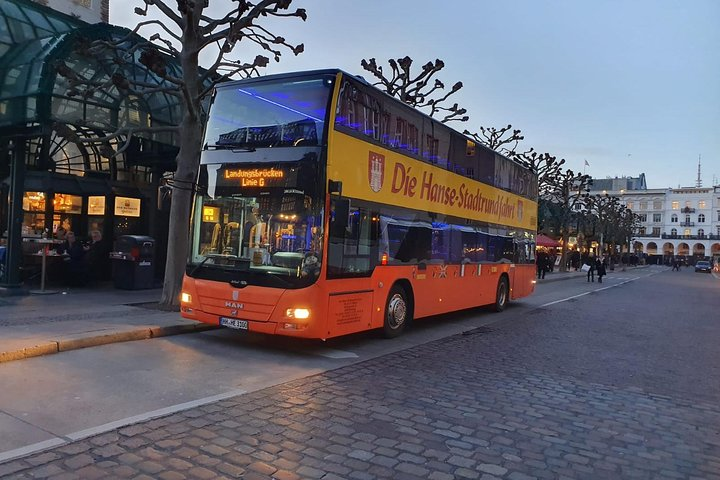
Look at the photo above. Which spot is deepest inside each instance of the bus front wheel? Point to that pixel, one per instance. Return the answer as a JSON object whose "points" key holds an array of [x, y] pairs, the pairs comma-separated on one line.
{"points": [[501, 296], [397, 312]]}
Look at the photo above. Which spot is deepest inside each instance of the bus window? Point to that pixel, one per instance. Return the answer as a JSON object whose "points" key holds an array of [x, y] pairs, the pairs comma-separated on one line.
{"points": [[353, 251], [440, 247], [500, 248], [406, 241]]}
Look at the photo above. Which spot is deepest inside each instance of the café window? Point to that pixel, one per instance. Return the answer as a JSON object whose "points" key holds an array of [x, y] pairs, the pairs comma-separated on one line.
{"points": [[64, 203], [127, 216], [96, 205], [34, 201], [127, 207], [96, 214], [33, 214]]}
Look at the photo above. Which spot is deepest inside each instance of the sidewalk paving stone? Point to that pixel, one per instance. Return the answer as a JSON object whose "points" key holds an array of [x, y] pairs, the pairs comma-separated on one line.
{"points": [[37, 325]]}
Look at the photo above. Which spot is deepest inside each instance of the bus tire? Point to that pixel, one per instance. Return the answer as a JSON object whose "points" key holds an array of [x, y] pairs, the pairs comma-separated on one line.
{"points": [[397, 312], [501, 295]]}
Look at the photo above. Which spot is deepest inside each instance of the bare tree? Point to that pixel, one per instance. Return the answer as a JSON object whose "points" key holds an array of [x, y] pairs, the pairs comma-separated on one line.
{"points": [[496, 139], [415, 89], [546, 166], [568, 193], [185, 31]]}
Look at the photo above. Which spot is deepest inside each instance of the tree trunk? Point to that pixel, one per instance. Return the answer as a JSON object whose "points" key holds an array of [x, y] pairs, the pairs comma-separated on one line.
{"points": [[188, 161], [563, 256]]}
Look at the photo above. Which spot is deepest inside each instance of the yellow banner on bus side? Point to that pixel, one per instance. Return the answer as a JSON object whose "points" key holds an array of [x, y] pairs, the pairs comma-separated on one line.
{"points": [[369, 172]]}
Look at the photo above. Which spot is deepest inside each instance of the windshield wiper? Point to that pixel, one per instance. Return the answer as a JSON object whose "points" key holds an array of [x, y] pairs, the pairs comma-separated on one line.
{"points": [[197, 267]]}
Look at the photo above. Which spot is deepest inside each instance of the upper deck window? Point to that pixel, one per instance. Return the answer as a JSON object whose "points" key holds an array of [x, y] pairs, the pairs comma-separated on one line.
{"points": [[280, 113]]}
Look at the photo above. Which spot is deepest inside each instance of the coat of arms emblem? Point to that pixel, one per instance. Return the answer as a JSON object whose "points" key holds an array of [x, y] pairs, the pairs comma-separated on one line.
{"points": [[376, 171]]}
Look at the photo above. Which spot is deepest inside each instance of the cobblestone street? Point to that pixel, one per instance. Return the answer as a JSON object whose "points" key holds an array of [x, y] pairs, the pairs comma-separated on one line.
{"points": [[472, 406]]}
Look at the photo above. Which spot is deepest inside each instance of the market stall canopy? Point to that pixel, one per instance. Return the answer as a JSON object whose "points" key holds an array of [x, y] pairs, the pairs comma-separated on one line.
{"points": [[545, 241]]}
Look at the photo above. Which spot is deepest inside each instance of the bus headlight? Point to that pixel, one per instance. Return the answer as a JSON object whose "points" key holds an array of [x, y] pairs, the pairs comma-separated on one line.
{"points": [[185, 297], [298, 313]]}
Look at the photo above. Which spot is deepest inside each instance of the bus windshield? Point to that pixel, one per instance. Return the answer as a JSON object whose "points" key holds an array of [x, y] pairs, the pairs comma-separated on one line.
{"points": [[258, 224], [289, 113]]}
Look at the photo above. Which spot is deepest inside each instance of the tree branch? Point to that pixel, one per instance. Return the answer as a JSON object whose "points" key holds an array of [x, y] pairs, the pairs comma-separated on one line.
{"points": [[414, 91]]}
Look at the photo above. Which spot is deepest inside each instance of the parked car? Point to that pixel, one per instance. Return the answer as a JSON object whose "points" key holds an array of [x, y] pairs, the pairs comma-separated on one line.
{"points": [[703, 266]]}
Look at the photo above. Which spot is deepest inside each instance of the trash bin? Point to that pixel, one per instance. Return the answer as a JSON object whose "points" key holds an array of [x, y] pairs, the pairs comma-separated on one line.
{"points": [[133, 262]]}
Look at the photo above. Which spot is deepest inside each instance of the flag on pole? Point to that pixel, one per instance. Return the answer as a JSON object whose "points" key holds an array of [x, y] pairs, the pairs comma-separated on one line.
{"points": [[586, 163]]}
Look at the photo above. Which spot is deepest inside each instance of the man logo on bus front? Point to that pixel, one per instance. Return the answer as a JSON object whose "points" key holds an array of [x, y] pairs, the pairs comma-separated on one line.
{"points": [[376, 171]]}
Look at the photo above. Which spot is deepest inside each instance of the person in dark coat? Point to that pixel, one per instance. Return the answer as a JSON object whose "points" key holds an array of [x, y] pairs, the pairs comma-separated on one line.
{"points": [[541, 265], [591, 272], [98, 257], [75, 271], [600, 268]]}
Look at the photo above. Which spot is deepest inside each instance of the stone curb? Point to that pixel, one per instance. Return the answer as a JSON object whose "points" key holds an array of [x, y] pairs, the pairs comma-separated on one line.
{"points": [[56, 346]]}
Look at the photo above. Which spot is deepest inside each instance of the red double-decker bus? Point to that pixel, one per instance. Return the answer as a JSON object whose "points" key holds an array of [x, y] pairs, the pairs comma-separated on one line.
{"points": [[327, 207]]}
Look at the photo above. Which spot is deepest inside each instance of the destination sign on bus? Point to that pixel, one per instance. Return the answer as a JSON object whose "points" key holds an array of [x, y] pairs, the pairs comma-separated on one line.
{"points": [[256, 177]]}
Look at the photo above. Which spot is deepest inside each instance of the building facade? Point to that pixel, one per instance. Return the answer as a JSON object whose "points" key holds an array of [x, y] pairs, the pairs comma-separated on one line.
{"points": [[676, 222], [90, 11]]}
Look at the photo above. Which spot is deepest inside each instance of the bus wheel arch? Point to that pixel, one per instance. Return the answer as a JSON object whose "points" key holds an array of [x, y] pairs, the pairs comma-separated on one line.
{"points": [[398, 309], [502, 293]]}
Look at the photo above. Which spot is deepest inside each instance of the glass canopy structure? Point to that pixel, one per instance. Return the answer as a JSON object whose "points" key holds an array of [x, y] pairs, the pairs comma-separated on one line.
{"points": [[45, 122]]}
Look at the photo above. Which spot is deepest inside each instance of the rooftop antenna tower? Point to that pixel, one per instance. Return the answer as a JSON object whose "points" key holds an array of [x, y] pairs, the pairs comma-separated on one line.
{"points": [[698, 183]]}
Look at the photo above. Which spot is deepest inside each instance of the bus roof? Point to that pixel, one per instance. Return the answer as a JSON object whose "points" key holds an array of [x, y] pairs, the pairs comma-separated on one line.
{"points": [[334, 71]]}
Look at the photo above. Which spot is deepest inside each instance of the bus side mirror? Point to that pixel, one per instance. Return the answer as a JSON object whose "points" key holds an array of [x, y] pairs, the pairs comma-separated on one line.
{"points": [[335, 186], [340, 217]]}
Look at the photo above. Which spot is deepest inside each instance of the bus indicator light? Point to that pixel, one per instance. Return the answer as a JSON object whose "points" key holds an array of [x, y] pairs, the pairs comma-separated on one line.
{"points": [[185, 297], [384, 259]]}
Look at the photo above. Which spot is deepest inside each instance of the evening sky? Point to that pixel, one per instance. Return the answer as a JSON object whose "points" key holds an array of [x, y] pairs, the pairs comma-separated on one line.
{"points": [[629, 87]]}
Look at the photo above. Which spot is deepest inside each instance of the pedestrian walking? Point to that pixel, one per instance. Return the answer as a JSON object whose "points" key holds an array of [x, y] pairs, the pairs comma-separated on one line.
{"points": [[589, 267], [541, 266], [600, 267]]}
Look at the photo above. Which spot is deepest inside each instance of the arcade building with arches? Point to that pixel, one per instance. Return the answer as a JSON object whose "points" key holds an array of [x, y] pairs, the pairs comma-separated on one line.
{"points": [[49, 178]]}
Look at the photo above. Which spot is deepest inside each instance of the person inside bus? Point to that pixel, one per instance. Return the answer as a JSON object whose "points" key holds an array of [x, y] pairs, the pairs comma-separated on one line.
{"points": [[258, 241]]}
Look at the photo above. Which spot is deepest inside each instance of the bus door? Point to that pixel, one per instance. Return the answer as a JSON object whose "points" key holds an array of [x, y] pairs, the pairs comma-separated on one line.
{"points": [[352, 257]]}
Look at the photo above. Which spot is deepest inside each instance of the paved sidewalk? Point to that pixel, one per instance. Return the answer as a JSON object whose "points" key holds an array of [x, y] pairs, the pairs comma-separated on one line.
{"points": [[34, 325]]}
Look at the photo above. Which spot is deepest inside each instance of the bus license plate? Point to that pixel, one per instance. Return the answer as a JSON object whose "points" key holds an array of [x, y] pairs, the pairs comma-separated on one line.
{"points": [[234, 323]]}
